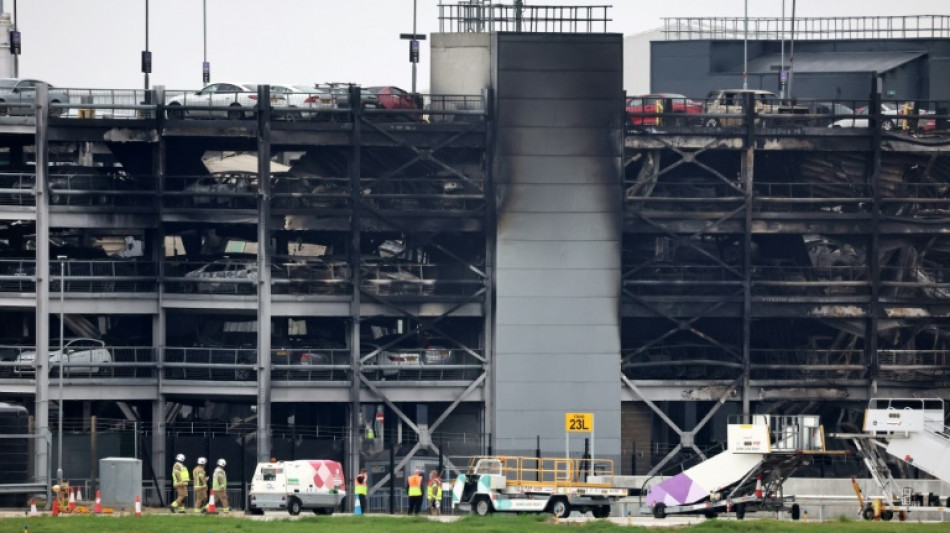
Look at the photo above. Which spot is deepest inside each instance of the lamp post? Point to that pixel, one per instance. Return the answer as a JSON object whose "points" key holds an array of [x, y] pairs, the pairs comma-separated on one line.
{"points": [[62, 301], [205, 66], [413, 39], [745, 50], [16, 32], [146, 54]]}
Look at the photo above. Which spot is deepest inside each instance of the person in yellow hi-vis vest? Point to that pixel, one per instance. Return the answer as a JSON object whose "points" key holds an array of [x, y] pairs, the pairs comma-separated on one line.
{"points": [[362, 489], [415, 492], [201, 484], [219, 484], [180, 481], [434, 493]]}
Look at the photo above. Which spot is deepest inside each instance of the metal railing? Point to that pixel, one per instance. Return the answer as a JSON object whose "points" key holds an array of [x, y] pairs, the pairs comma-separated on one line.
{"points": [[479, 16], [424, 193], [306, 193], [807, 28], [236, 190], [121, 104], [209, 364], [17, 188], [95, 275], [653, 114], [120, 362], [230, 364], [328, 105]]}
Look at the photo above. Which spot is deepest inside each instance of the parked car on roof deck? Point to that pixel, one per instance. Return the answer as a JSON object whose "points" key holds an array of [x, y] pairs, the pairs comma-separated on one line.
{"points": [[731, 102], [862, 120], [18, 97], [236, 101], [833, 110], [394, 98], [642, 109]]}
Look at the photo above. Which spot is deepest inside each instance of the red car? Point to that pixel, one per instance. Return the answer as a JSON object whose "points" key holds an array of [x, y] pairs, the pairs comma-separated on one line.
{"points": [[396, 98], [642, 109]]}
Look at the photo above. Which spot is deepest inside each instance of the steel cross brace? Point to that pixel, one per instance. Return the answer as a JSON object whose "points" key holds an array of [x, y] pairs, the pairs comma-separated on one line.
{"points": [[426, 324], [424, 240], [685, 325], [686, 437], [707, 227], [424, 155], [690, 157], [428, 444]]}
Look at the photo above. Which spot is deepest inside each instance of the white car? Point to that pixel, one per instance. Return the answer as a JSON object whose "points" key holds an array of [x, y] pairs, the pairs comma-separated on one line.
{"points": [[82, 357], [861, 119], [234, 101], [241, 271]]}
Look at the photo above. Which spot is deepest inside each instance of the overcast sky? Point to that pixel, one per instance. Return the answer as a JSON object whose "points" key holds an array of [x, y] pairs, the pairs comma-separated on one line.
{"points": [[97, 43]]}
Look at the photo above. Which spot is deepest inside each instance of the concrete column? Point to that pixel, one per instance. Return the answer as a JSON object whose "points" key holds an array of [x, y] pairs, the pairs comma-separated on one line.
{"points": [[355, 433], [42, 284], [748, 172], [264, 261], [158, 445], [159, 322]]}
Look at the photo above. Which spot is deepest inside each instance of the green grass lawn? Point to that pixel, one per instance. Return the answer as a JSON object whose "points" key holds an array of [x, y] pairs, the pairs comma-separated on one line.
{"points": [[382, 524]]}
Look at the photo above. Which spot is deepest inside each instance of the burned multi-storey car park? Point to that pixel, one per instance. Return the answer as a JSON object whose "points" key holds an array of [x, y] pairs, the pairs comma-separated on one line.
{"points": [[451, 278]]}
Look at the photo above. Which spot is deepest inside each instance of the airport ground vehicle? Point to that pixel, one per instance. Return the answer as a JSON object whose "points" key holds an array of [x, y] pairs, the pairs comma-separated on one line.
{"points": [[315, 484], [536, 485], [911, 430], [763, 450]]}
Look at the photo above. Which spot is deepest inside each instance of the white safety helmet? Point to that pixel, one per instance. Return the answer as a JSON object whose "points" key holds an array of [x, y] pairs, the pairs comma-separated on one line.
{"points": [[180, 458], [222, 463], [202, 461]]}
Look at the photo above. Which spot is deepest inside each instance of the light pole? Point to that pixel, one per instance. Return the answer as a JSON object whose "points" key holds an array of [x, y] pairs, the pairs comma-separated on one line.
{"points": [[16, 35], [62, 353], [146, 54], [745, 50], [205, 66], [413, 39]]}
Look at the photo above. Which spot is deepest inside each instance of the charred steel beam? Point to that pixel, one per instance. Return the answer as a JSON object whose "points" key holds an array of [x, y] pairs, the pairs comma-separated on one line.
{"points": [[873, 252]]}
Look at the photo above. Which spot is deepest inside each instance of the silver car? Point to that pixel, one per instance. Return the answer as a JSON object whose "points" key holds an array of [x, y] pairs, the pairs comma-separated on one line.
{"points": [[78, 357], [234, 101], [18, 97]]}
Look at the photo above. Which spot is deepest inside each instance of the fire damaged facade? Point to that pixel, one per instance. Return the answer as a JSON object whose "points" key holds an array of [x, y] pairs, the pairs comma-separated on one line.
{"points": [[425, 284]]}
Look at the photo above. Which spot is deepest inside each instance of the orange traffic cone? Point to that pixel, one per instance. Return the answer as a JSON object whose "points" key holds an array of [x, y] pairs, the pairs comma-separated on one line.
{"points": [[758, 486], [56, 503], [72, 499], [211, 507], [33, 511], [97, 508], [78, 494], [138, 506]]}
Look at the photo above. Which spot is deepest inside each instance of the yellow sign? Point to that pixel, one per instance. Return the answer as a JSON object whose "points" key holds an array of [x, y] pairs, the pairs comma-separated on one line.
{"points": [[579, 422]]}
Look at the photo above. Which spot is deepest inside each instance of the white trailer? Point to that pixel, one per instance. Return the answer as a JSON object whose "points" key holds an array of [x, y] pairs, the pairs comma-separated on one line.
{"points": [[536, 485], [763, 450], [911, 430]]}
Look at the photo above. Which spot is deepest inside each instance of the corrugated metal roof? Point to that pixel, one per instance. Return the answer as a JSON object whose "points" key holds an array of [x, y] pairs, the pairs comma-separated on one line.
{"points": [[834, 62]]}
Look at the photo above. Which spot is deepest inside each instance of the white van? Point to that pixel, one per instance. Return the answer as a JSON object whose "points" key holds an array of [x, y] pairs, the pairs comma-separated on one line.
{"points": [[315, 484]]}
